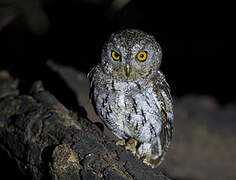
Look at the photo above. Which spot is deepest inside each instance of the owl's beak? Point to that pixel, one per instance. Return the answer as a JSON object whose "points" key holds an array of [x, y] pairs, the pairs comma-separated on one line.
{"points": [[127, 70]]}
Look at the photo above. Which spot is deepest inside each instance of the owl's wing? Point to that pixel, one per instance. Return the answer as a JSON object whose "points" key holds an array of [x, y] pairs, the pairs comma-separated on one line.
{"points": [[162, 91], [90, 76]]}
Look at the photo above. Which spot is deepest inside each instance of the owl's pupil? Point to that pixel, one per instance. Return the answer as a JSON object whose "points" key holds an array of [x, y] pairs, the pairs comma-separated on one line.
{"points": [[141, 55], [116, 54]]}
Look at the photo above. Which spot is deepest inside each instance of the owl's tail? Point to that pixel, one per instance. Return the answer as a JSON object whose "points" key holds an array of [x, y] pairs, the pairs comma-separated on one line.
{"points": [[151, 154]]}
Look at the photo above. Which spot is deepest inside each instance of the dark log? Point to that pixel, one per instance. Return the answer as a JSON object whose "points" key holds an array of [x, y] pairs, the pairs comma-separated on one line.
{"points": [[48, 141]]}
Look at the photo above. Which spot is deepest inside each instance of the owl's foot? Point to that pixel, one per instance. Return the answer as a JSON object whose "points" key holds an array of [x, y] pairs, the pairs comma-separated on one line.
{"points": [[146, 152], [120, 142], [130, 145]]}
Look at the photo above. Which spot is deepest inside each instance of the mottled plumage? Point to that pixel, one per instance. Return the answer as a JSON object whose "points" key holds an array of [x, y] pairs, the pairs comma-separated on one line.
{"points": [[130, 93]]}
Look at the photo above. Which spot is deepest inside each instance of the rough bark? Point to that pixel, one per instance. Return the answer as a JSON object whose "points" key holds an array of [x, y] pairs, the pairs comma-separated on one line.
{"points": [[48, 141]]}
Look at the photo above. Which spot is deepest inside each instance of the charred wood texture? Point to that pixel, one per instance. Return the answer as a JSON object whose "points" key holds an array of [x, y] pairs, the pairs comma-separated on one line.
{"points": [[48, 141]]}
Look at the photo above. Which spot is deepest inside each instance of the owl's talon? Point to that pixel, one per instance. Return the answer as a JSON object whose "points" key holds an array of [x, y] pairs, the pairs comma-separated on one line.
{"points": [[120, 143], [131, 145]]}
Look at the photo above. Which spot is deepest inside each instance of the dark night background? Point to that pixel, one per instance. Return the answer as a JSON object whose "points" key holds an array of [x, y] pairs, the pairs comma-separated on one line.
{"points": [[196, 39]]}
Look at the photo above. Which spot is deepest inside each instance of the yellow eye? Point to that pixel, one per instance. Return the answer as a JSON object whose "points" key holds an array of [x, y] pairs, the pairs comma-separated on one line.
{"points": [[115, 56], [142, 56]]}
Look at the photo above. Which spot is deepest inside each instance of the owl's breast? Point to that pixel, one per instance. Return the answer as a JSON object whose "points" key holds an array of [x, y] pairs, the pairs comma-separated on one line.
{"points": [[129, 110], [110, 102], [144, 115]]}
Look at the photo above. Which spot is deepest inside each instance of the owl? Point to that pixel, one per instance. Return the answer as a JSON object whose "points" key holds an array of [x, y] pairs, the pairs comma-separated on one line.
{"points": [[131, 96]]}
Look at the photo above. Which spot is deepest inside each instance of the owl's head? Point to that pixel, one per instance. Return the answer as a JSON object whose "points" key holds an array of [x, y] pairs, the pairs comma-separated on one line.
{"points": [[130, 55]]}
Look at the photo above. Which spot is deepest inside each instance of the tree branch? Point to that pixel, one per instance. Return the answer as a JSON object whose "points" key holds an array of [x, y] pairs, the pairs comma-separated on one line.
{"points": [[48, 141]]}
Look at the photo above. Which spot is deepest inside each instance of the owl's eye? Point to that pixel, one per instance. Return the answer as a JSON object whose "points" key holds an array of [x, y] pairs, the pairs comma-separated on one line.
{"points": [[142, 56], [115, 56]]}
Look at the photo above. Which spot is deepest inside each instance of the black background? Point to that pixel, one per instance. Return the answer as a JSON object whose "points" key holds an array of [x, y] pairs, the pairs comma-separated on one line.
{"points": [[196, 39]]}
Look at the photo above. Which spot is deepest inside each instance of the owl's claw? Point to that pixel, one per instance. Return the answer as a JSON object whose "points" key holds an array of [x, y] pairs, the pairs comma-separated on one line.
{"points": [[120, 142], [130, 145]]}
